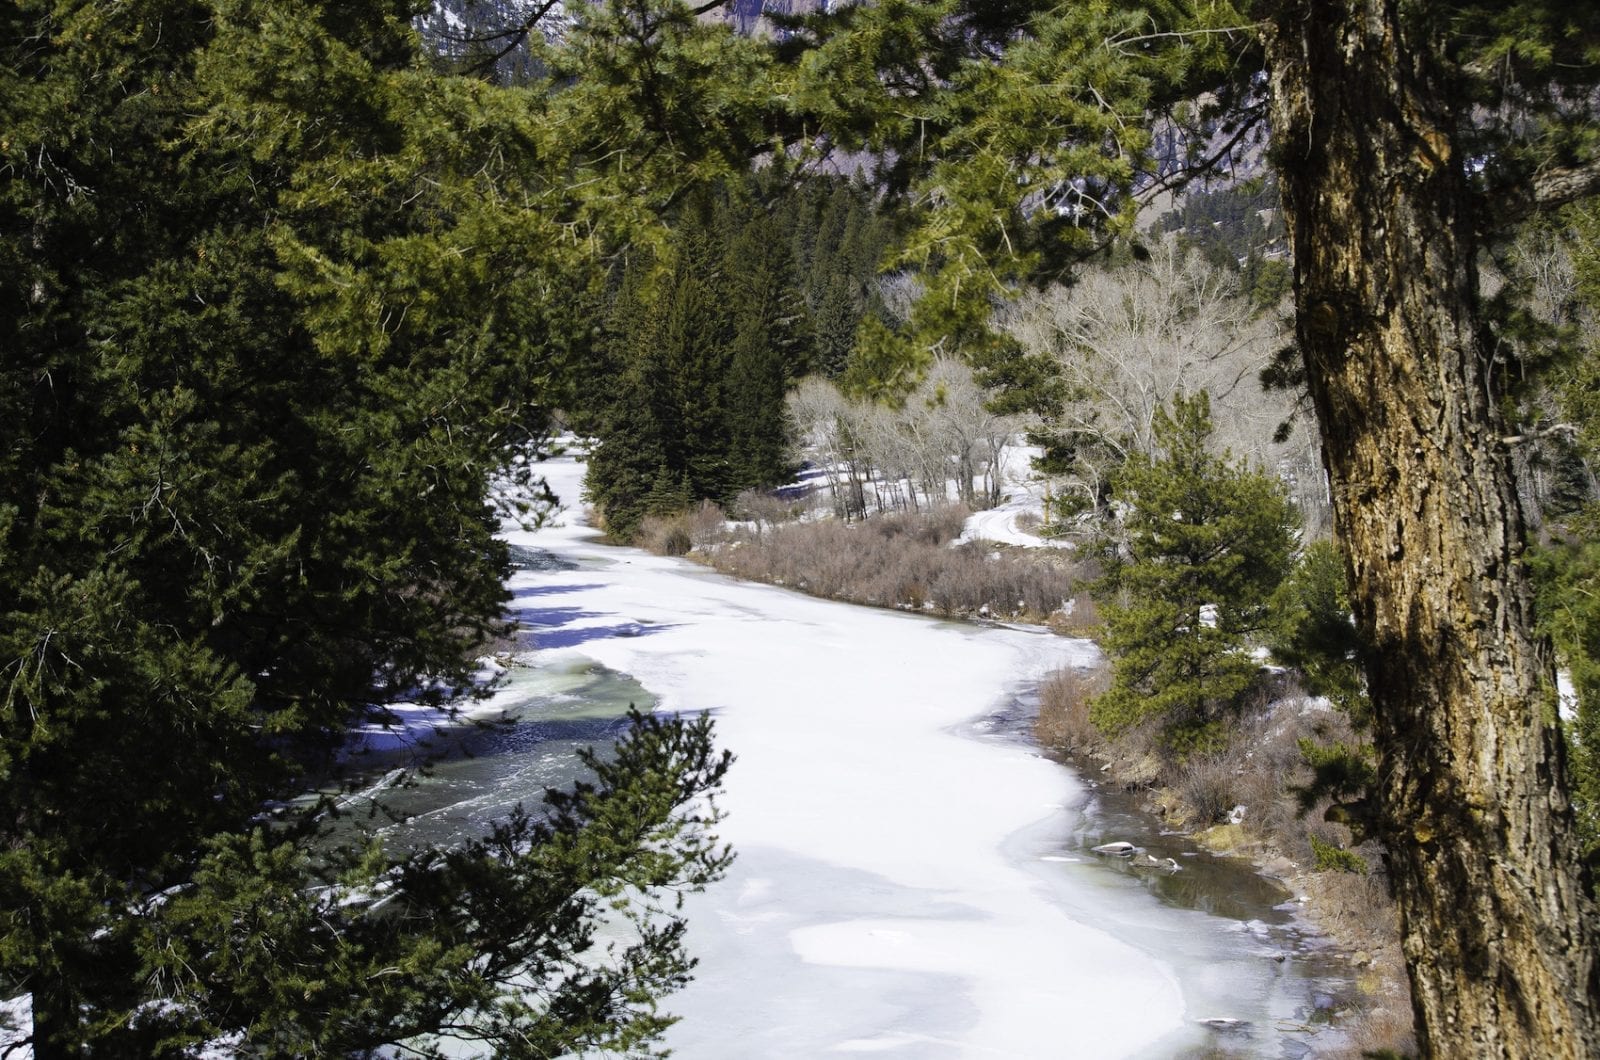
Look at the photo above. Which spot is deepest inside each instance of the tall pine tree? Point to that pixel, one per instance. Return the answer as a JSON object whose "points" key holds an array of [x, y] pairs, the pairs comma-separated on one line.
{"points": [[701, 351]]}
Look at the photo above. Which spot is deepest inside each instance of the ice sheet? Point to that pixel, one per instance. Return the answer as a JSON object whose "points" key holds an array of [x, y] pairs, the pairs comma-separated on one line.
{"points": [[873, 908]]}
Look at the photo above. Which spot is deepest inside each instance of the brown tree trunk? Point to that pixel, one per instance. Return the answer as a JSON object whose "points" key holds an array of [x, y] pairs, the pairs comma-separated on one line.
{"points": [[1499, 935]]}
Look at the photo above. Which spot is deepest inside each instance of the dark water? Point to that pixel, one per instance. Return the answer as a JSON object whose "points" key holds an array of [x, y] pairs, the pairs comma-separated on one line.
{"points": [[482, 771], [1256, 980]]}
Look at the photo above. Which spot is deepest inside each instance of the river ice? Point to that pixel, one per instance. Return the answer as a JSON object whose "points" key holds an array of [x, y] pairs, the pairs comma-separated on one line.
{"points": [[873, 907]]}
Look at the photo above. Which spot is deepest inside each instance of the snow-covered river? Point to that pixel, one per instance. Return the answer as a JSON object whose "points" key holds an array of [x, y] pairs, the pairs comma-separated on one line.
{"points": [[913, 880]]}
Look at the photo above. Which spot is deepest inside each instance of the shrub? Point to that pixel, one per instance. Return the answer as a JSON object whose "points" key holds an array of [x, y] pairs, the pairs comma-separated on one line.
{"points": [[1330, 858], [901, 560], [768, 509], [1079, 618], [706, 526], [1208, 786], [665, 535], [1063, 722]]}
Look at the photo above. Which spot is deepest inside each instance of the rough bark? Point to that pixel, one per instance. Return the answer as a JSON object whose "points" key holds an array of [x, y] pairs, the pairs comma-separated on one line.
{"points": [[1499, 937]]}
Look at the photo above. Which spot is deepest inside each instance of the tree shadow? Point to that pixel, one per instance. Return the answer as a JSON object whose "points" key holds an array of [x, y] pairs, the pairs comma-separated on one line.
{"points": [[532, 591], [568, 638]]}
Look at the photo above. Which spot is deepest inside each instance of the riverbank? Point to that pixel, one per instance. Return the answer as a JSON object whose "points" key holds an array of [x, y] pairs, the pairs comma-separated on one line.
{"points": [[1246, 804], [1237, 805], [886, 896]]}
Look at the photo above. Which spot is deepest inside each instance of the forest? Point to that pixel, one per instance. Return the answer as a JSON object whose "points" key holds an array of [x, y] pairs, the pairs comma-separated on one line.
{"points": [[1292, 304]]}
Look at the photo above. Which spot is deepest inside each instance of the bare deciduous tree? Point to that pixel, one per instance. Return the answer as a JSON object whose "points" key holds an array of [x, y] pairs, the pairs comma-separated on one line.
{"points": [[874, 456], [1129, 339]]}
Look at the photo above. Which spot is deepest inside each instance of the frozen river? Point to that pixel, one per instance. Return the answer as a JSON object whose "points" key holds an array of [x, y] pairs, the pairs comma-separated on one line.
{"points": [[912, 878]]}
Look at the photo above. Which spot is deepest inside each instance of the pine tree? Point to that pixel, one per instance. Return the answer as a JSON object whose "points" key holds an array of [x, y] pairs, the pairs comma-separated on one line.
{"points": [[701, 352], [633, 418], [1314, 631], [769, 349], [278, 302], [691, 357], [1205, 546]]}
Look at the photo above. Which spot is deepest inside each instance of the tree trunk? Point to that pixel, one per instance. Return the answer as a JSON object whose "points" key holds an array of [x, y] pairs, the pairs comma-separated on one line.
{"points": [[1499, 935]]}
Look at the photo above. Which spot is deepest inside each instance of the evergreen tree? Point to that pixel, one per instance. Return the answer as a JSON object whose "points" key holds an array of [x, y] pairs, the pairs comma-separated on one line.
{"points": [[841, 237], [1313, 630], [1205, 546], [769, 349], [278, 301], [837, 314], [690, 359], [663, 441], [700, 354], [630, 454]]}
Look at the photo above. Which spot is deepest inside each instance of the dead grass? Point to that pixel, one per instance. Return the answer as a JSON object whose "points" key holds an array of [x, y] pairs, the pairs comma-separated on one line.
{"points": [[1208, 787], [1063, 721], [665, 535], [1080, 618], [1382, 1027], [900, 560]]}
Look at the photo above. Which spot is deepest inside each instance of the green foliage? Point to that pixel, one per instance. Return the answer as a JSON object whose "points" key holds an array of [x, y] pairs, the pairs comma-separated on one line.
{"points": [[1567, 581], [1204, 546], [1525, 63], [1266, 281], [278, 303], [761, 283], [1312, 630], [840, 237], [1579, 380], [1566, 572], [1233, 228], [1329, 858], [495, 940], [1346, 774], [1016, 130]]}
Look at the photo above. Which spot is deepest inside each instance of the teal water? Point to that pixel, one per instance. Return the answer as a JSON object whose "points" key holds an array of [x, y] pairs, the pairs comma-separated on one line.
{"points": [[481, 771]]}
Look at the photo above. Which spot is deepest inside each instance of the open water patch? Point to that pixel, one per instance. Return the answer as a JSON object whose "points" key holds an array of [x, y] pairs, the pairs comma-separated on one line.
{"points": [[1256, 980], [474, 775]]}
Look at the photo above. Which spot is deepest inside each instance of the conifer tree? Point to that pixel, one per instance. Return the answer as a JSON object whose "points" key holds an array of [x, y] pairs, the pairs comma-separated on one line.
{"points": [[1314, 632], [1206, 544], [278, 301], [701, 352], [768, 350]]}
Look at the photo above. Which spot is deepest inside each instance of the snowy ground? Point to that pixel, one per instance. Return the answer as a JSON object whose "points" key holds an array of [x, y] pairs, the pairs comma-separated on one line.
{"points": [[1022, 492], [872, 908]]}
